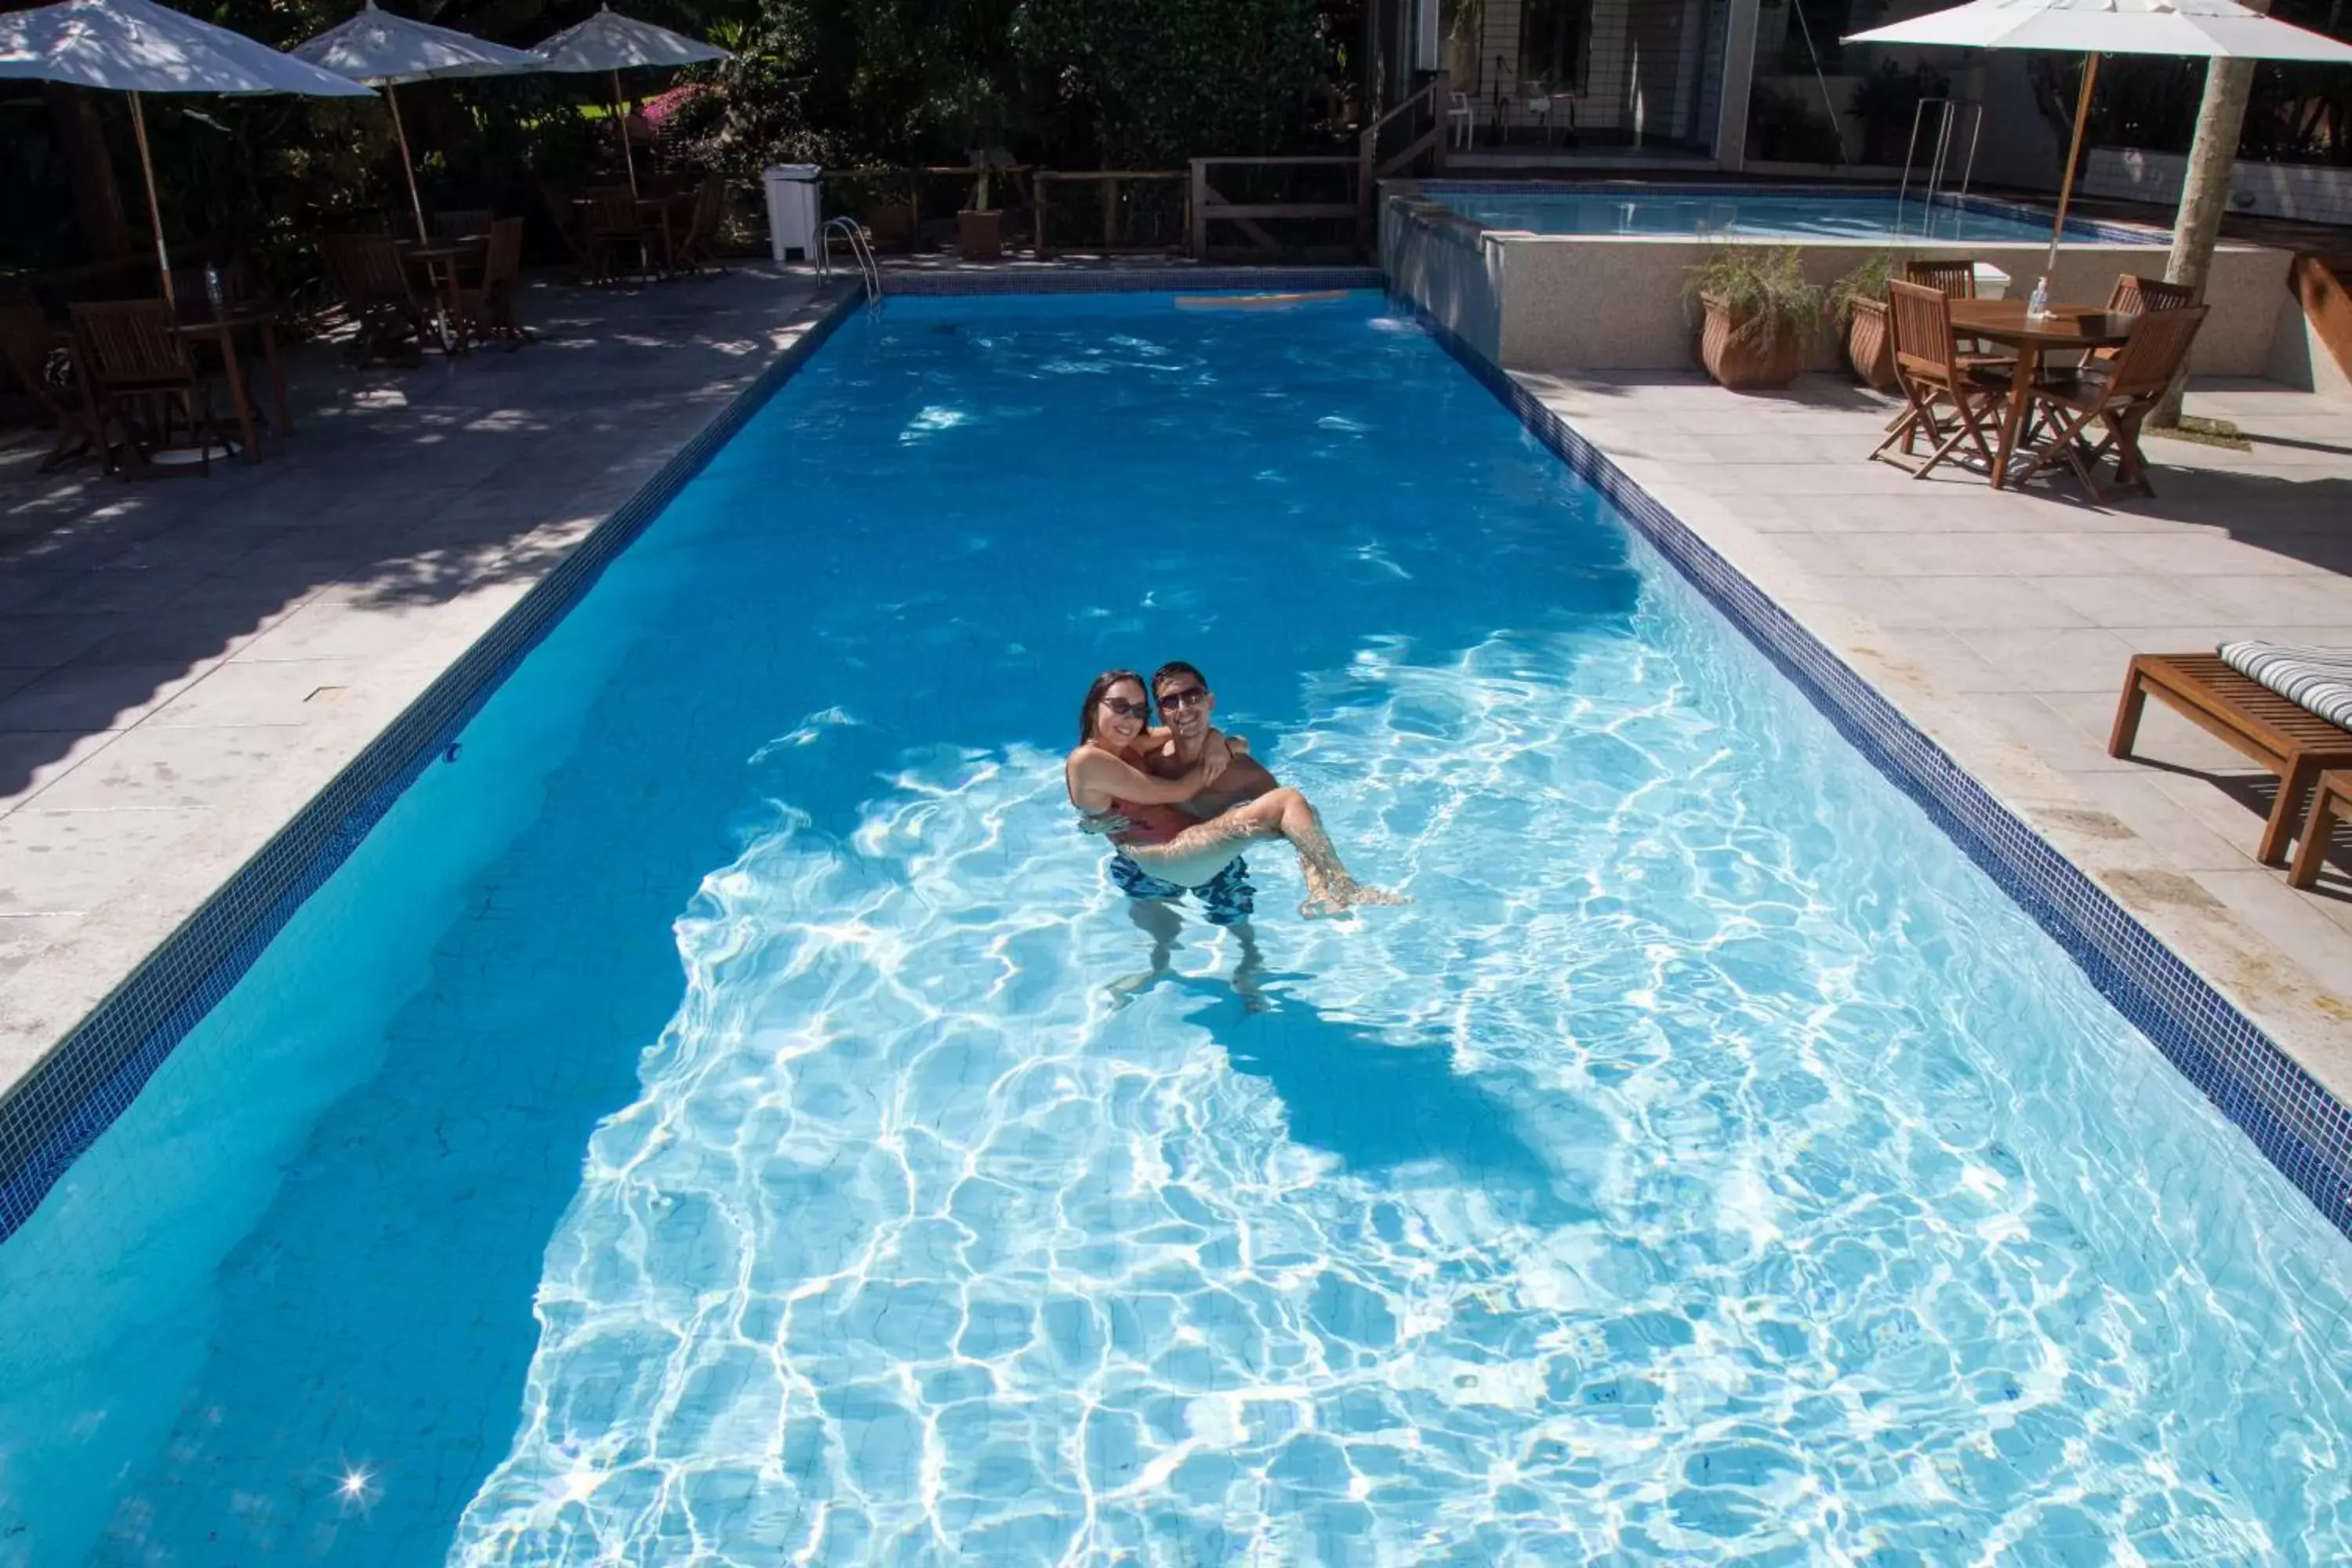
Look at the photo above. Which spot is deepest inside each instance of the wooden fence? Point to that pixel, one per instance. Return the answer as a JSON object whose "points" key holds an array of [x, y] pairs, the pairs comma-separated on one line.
{"points": [[1211, 205], [1119, 198], [1263, 206]]}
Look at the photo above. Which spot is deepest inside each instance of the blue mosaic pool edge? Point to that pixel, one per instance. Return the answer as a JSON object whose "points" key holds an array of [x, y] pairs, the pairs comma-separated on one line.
{"points": [[2298, 1126], [73, 1094]]}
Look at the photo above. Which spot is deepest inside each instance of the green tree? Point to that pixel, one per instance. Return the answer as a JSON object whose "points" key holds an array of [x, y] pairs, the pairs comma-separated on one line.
{"points": [[1163, 81]]}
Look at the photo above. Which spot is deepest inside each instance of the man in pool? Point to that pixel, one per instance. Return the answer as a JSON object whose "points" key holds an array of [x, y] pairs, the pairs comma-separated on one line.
{"points": [[1227, 899]]}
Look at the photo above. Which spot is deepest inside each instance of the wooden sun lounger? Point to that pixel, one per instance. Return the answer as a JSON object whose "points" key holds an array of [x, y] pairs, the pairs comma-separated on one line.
{"points": [[2331, 803], [2286, 737]]}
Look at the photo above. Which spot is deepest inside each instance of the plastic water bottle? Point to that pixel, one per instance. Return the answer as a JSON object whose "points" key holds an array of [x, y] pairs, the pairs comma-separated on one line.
{"points": [[213, 286], [2037, 309]]}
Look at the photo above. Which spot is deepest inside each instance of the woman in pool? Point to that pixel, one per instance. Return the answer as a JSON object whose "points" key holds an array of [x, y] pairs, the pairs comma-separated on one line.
{"points": [[1138, 811]]}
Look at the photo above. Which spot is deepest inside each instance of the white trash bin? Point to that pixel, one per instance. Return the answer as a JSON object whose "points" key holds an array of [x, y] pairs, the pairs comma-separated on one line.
{"points": [[792, 208]]}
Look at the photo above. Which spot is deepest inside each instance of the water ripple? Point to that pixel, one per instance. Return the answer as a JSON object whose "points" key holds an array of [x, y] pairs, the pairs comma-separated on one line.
{"points": [[1666, 1184]]}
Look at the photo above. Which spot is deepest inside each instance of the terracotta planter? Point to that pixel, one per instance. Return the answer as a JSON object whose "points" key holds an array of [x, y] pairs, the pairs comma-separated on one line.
{"points": [[1869, 346], [980, 236], [889, 225], [1741, 362]]}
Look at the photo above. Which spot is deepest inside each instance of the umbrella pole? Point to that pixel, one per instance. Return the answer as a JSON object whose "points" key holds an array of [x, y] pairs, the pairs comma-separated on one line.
{"points": [[154, 207], [2074, 155], [621, 119], [407, 165]]}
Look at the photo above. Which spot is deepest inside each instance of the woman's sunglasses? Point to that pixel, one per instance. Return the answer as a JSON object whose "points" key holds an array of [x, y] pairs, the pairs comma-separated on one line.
{"points": [[1126, 709]]}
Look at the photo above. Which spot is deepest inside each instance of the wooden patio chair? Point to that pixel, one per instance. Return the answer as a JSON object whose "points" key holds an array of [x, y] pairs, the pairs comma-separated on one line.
{"points": [[1953, 280], [462, 222], [191, 293], [143, 378], [616, 227], [563, 216], [1957, 281], [1948, 401], [699, 245], [489, 306], [2286, 737], [40, 358], [2118, 394], [367, 273], [2134, 294], [193, 302]]}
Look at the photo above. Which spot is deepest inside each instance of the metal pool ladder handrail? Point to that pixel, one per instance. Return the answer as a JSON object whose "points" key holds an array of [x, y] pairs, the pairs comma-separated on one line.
{"points": [[861, 249], [1939, 162]]}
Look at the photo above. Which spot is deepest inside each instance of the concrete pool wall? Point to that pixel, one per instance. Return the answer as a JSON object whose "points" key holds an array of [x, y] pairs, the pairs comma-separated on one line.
{"points": [[1555, 301]]}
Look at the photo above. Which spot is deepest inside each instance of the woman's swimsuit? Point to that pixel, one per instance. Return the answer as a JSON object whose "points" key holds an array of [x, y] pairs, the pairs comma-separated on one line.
{"points": [[1147, 824]]}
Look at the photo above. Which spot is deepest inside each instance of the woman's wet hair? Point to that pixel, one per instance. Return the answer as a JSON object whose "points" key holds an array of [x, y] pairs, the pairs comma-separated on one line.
{"points": [[1103, 683]]}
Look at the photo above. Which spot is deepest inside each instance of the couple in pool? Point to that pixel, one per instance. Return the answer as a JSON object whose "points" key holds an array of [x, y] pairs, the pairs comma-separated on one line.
{"points": [[1181, 802]]}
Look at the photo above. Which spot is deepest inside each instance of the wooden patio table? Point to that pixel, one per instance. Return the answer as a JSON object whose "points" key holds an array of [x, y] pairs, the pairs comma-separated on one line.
{"points": [[656, 211], [440, 258], [2078, 328], [222, 328]]}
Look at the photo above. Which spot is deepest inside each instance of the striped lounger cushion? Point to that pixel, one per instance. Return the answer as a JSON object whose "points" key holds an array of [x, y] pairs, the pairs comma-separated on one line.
{"points": [[2319, 678]]}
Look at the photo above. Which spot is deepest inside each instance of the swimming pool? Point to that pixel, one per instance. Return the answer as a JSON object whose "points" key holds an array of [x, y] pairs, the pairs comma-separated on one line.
{"points": [[695, 1125], [1760, 213]]}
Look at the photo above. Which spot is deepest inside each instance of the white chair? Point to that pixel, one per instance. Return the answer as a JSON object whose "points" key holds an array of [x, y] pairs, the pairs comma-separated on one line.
{"points": [[1460, 119], [1540, 102]]}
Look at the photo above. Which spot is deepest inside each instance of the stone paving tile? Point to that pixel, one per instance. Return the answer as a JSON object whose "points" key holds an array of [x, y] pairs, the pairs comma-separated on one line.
{"points": [[2051, 660], [59, 863], [2002, 624], [2132, 599], [149, 769], [31, 760], [170, 649], [88, 697], [1964, 604], [242, 693], [24, 936]]}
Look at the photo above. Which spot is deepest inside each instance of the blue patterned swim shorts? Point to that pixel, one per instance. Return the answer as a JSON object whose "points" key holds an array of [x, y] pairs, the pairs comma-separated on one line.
{"points": [[1226, 899]]}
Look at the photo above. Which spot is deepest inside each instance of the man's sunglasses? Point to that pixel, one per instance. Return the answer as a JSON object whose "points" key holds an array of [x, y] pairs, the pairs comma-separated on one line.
{"points": [[1191, 697], [1126, 709]]}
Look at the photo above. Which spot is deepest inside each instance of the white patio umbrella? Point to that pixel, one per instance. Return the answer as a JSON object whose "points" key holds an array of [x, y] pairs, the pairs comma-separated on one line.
{"points": [[2210, 29], [383, 50], [609, 41], [136, 47]]}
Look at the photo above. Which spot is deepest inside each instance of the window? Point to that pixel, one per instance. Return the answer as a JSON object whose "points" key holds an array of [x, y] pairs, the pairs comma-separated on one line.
{"points": [[1551, 43]]}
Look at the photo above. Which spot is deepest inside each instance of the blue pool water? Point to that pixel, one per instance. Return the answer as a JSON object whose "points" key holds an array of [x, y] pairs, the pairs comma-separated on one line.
{"points": [[1760, 214], [696, 1126]]}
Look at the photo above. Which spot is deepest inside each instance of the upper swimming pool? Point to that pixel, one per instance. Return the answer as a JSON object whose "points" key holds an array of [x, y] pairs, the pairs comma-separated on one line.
{"points": [[1668, 212], [698, 1125]]}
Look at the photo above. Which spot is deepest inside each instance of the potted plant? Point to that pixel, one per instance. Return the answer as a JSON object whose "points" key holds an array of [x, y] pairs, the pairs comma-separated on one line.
{"points": [[980, 228], [1857, 313], [1759, 312]]}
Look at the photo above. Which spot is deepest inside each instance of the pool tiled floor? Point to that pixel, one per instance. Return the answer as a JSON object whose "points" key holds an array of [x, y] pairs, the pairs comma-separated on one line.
{"points": [[2001, 624], [184, 663]]}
